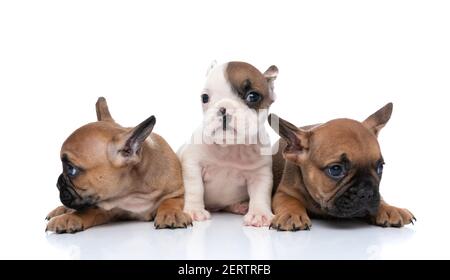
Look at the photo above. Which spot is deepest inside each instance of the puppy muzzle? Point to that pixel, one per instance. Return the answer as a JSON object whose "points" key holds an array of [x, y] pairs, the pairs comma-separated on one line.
{"points": [[68, 196], [358, 200], [230, 122]]}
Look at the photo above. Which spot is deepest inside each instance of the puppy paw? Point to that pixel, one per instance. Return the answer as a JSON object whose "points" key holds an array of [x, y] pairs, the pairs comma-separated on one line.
{"points": [[258, 218], [172, 219], [390, 216], [291, 222], [199, 214], [65, 223], [58, 211], [240, 208]]}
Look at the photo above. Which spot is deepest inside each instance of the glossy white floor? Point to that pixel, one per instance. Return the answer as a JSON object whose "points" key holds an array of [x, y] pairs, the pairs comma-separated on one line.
{"points": [[224, 237]]}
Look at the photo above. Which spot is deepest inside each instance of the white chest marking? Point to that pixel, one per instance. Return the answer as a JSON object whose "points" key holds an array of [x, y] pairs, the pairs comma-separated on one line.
{"points": [[226, 173]]}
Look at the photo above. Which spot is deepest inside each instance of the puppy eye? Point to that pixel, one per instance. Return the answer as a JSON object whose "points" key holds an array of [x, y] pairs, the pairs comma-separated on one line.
{"points": [[253, 97], [380, 168], [71, 170], [205, 98], [336, 171]]}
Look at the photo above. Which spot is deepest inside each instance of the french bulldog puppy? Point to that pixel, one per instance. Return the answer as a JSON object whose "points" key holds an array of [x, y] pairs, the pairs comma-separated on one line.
{"points": [[114, 173], [225, 166], [331, 170]]}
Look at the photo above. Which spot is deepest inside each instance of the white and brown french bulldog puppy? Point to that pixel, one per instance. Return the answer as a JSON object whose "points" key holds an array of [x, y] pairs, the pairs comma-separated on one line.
{"points": [[331, 170], [114, 173], [225, 166]]}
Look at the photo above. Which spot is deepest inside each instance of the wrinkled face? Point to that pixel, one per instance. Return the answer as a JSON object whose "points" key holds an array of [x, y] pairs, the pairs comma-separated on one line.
{"points": [[340, 162], [89, 175], [344, 168], [235, 101]]}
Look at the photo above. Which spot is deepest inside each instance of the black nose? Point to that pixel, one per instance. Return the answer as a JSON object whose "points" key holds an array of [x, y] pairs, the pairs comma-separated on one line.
{"points": [[362, 194], [223, 111], [65, 195]]}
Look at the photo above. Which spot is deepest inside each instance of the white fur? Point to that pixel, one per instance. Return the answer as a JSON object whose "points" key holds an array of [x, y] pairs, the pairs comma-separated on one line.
{"points": [[227, 167]]}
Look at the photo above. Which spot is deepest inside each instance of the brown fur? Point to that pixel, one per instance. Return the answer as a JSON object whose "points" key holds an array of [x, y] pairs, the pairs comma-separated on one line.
{"points": [[302, 188], [244, 77], [152, 174]]}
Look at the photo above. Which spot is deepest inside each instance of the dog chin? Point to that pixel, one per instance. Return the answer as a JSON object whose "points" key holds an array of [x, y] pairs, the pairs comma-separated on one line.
{"points": [[351, 213], [78, 205], [355, 214]]}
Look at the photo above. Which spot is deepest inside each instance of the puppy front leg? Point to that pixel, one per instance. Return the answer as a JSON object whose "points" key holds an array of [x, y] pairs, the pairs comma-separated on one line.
{"points": [[290, 214], [170, 214], [58, 211], [79, 220], [259, 190], [194, 204]]}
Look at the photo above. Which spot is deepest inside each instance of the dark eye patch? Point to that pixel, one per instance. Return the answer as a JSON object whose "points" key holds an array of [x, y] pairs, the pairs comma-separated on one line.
{"points": [[246, 85], [249, 94], [243, 78]]}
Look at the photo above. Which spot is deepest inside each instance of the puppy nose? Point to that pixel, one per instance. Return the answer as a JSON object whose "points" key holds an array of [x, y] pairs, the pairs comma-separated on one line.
{"points": [[65, 195], [222, 111], [364, 194]]}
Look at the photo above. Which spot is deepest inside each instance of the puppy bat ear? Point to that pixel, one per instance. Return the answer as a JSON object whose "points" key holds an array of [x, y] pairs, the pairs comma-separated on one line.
{"points": [[136, 137], [296, 138], [102, 110], [211, 67], [270, 75], [378, 120]]}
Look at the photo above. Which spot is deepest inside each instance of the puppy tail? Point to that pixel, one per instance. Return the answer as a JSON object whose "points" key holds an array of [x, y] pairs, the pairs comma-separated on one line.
{"points": [[102, 110]]}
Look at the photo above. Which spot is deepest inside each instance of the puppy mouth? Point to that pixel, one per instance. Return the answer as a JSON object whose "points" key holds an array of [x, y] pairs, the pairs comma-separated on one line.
{"points": [[228, 130], [70, 197], [358, 200]]}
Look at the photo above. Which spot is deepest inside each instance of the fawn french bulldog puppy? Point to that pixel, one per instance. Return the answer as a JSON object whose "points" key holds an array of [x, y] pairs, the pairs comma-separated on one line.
{"points": [[333, 169], [114, 173], [224, 166]]}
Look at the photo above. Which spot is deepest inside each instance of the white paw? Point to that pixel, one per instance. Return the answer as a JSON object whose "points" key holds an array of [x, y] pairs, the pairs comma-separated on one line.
{"points": [[258, 218], [198, 214]]}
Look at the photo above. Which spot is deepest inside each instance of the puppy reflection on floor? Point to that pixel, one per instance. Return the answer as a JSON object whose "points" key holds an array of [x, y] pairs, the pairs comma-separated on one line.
{"points": [[114, 173], [332, 170]]}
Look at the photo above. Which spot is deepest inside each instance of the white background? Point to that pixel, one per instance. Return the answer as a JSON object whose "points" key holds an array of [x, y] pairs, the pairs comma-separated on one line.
{"points": [[336, 59]]}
